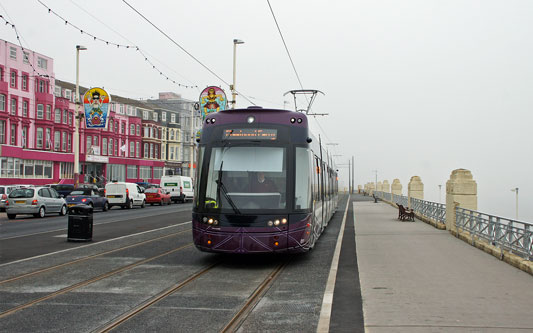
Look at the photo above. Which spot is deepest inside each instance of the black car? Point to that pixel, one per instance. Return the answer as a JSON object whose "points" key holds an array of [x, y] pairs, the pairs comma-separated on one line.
{"points": [[62, 189]]}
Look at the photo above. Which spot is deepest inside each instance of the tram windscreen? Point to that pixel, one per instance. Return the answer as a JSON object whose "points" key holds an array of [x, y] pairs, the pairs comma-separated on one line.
{"points": [[247, 178]]}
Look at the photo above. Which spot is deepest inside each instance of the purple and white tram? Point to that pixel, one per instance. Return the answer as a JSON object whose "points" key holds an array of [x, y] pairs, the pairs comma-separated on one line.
{"points": [[263, 184]]}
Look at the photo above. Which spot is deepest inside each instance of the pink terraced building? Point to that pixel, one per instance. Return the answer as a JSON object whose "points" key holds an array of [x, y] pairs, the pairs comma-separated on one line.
{"points": [[37, 126]]}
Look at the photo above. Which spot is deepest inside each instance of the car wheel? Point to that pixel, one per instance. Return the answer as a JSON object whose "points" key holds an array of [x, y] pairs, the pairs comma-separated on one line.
{"points": [[41, 212], [63, 211], [130, 204], [143, 204], [106, 206], [11, 216]]}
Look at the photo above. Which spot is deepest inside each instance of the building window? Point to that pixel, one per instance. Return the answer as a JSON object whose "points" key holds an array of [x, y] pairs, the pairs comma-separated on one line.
{"points": [[70, 119], [13, 53], [146, 132], [89, 144], [156, 151], [64, 141], [13, 79], [24, 137], [13, 134], [110, 146], [69, 147], [171, 134], [116, 147], [42, 63], [2, 102], [24, 108], [25, 57], [155, 116], [171, 153], [48, 138], [145, 172], [104, 146], [57, 140], [132, 148], [158, 172], [138, 149], [68, 94], [95, 140], [121, 109], [173, 118], [13, 105], [132, 129], [25, 82], [48, 112], [57, 116], [2, 131], [138, 130], [65, 116], [66, 170], [151, 150], [163, 116], [40, 111], [39, 138], [145, 115], [42, 86], [146, 151], [110, 127], [132, 171], [116, 172]]}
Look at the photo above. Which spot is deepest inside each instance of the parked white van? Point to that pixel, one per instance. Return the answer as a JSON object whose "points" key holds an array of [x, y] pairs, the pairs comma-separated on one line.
{"points": [[180, 187], [125, 195]]}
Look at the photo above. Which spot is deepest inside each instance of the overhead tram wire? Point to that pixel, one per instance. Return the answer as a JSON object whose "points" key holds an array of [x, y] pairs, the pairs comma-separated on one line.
{"points": [[129, 41], [133, 47], [184, 50], [292, 63]]}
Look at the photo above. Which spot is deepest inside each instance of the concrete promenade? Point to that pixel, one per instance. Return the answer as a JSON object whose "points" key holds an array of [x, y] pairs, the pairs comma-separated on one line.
{"points": [[415, 278]]}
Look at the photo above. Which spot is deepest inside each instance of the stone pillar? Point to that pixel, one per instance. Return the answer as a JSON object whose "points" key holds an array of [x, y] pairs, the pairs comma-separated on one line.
{"points": [[371, 188], [461, 190], [396, 187], [386, 186], [359, 188], [415, 189], [379, 189]]}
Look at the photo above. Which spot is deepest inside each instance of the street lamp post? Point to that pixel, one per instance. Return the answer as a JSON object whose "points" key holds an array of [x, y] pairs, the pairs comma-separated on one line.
{"points": [[516, 190], [233, 91], [77, 118], [440, 190]]}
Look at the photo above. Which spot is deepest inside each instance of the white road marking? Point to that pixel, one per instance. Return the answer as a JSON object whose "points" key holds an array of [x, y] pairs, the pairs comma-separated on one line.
{"points": [[327, 301], [92, 244]]}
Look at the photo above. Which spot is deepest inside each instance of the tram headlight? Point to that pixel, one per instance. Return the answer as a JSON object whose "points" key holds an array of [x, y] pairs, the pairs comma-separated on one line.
{"points": [[204, 219], [270, 223], [276, 222], [250, 119], [299, 120], [207, 120], [213, 120], [210, 221], [293, 120], [215, 222], [283, 221]]}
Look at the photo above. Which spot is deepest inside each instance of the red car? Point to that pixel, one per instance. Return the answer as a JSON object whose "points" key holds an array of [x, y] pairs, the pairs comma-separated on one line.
{"points": [[157, 195]]}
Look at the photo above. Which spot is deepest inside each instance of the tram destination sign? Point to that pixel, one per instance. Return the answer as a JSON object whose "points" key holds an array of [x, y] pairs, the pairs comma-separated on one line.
{"points": [[250, 134]]}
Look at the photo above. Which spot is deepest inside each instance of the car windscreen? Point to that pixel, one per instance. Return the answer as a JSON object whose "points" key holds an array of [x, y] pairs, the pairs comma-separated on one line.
{"points": [[22, 193], [151, 190], [81, 192], [2, 190]]}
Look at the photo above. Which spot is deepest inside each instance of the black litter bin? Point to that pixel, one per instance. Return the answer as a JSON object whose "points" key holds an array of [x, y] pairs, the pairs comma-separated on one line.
{"points": [[80, 223]]}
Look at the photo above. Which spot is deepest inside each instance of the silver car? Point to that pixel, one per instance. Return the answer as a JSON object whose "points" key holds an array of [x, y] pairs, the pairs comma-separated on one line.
{"points": [[38, 201], [4, 191]]}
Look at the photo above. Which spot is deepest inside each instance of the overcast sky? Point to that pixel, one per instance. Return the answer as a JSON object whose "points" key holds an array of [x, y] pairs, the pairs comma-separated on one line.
{"points": [[411, 87]]}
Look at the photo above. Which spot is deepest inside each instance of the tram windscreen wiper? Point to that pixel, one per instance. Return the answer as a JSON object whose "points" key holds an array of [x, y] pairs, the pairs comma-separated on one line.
{"points": [[220, 186]]}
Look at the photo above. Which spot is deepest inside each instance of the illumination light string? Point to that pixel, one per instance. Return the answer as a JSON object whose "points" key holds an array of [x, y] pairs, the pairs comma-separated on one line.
{"points": [[23, 49], [136, 48]]}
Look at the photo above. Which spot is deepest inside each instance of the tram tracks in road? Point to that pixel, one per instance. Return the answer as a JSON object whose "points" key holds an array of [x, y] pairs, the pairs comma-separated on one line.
{"points": [[72, 262], [235, 322], [90, 281], [252, 301]]}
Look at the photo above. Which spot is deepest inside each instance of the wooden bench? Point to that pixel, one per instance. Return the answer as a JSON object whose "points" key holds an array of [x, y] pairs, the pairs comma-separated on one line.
{"points": [[405, 214]]}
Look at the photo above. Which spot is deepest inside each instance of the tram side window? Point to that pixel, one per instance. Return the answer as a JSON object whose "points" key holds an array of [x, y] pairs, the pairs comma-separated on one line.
{"points": [[302, 190], [316, 190]]}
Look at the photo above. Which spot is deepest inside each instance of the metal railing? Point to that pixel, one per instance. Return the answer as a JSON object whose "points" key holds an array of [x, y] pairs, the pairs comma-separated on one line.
{"points": [[431, 210], [386, 196], [511, 235], [400, 199]]}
